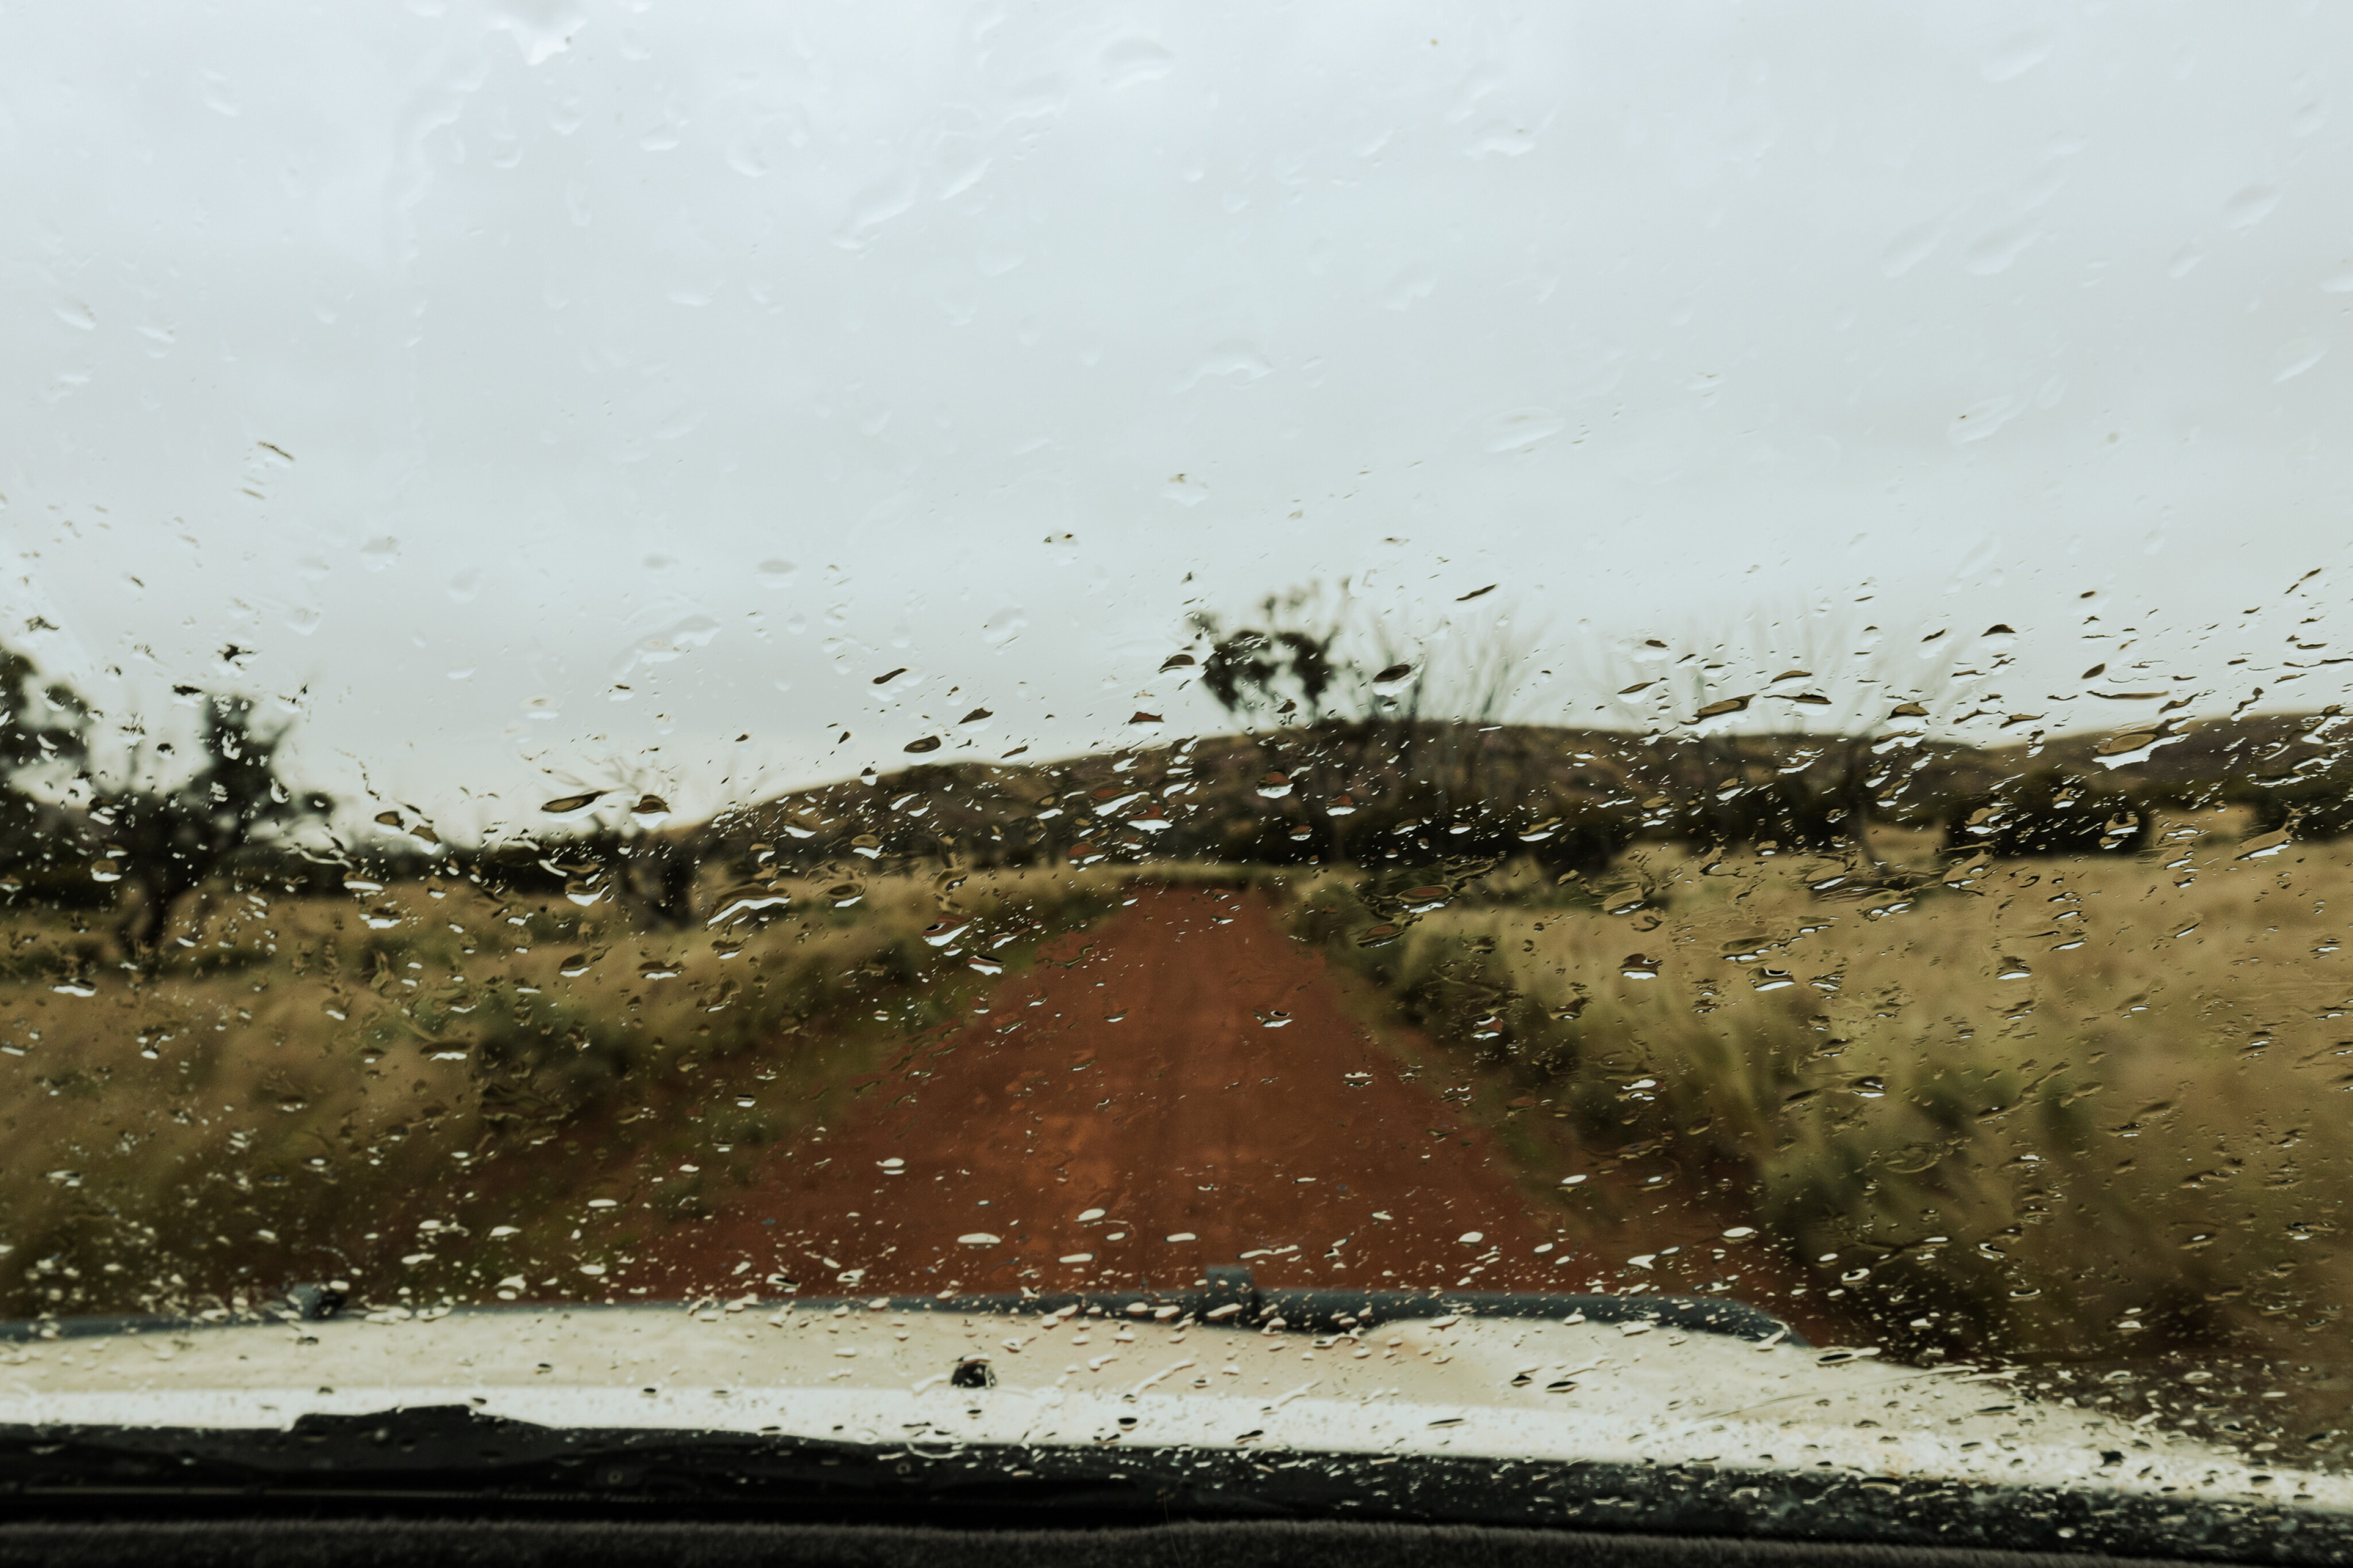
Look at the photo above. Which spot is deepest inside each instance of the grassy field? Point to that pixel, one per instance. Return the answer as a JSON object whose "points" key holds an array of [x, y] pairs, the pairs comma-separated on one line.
{"points": [[2047, 1109], [366, 1088], [2071, 1110]]}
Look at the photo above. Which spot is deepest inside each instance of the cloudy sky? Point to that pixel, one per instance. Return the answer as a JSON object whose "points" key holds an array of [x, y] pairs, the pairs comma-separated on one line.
{"points": [[547, 394]]}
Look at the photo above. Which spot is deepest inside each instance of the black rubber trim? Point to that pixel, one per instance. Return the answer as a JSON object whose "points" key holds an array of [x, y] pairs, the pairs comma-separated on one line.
{"points": [[509, 1544], [449, 1462]]}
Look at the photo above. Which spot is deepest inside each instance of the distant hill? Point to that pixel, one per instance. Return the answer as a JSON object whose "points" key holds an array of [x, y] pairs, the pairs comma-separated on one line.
{"points": [[1445, 795], [1369, 791]]}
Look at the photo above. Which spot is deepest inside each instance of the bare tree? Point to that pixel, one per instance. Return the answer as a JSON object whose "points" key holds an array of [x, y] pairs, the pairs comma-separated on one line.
{"points": [[171, 839]]}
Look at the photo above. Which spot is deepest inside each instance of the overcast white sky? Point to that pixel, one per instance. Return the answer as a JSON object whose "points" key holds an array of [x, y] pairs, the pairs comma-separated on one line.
{"points": [[734, 355]]}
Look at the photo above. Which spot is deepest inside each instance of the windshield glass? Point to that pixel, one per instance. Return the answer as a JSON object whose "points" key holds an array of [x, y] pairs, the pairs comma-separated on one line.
{"points": [[976, 687]]}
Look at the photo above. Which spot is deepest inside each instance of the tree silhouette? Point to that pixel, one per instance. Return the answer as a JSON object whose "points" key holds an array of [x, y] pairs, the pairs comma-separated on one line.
{"points": [[43, 729], [172, 839], [40, 726], [1248, 672]]}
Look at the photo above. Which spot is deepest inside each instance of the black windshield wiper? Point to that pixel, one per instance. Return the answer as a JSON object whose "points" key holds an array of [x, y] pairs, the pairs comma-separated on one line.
{"points": [[453, 1461]]}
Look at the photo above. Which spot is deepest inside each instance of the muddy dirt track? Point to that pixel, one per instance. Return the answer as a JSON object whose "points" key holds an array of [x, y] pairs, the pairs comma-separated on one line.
{"points": [[1180, 1086]]}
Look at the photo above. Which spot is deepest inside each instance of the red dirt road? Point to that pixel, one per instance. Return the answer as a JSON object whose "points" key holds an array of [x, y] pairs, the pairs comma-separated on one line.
{"points": [[1124, 1115]]}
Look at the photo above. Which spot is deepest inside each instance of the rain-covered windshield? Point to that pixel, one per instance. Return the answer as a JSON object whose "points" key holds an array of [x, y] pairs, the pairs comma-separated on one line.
{"points": [[753, 658]]}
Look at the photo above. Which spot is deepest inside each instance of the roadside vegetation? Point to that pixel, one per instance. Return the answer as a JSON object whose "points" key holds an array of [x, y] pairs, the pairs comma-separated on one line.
{"points": [[2051, 1107], [2014, 1054], [319, 1088]]}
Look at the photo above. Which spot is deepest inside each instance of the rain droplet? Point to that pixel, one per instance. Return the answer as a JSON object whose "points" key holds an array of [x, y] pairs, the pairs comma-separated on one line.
{"points": [[2297, 356], [573, 805], [1129, 61], [2263, 847], [1522, 429], [1005, 626]]}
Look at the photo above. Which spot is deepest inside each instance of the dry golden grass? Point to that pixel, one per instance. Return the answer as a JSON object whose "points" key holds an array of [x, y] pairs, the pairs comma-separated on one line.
{"points": [[306, 1088], [2055, 1107]]}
